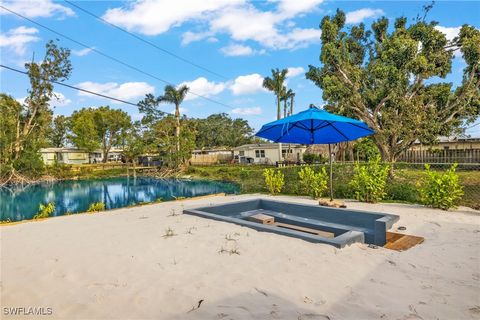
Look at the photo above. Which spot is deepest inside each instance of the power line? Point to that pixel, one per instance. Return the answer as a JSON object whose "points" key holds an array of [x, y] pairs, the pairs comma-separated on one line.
{"points": [[76, 88], [146, 41], [112, 58]]}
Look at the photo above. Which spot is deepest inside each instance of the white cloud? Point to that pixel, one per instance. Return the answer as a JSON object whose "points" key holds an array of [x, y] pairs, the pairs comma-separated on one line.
{"points": [[293, 7], [247, 111], [362, 14], [58, 100], [295, 71], [240, 19], [17, 39], [235, 50], [153, 17], [247, 84], [82, 52], [36, 8], [188, 37], [124, 91], [201, 86], [248, 23], [450, 32]]}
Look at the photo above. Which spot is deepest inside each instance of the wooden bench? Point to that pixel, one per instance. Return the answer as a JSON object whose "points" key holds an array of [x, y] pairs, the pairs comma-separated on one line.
{"points": [[261, 218], [304, 229]]}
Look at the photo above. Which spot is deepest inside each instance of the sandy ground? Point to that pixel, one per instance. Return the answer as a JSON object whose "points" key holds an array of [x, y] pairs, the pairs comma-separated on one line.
{"points": [[119, 265]]}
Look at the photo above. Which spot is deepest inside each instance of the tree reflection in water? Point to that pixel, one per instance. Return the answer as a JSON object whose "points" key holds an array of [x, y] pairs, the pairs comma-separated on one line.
{"points": [[19, 203]]}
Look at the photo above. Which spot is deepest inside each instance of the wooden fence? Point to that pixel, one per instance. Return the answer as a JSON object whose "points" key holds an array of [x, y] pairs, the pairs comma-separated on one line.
{"points": [[441, 156], [209, 159]]}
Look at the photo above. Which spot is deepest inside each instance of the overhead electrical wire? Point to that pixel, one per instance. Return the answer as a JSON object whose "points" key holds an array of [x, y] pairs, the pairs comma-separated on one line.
{"points": [[112, 58], [76, 88], [168, 52]]}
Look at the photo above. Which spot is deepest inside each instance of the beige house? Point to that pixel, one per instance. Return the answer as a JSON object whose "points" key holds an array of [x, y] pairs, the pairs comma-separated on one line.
{"points": [[64, 155], [267, 153]]}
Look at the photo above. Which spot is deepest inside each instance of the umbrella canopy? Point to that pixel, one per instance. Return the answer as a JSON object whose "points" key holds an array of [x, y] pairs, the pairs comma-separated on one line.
{"points": [[314, 126]]}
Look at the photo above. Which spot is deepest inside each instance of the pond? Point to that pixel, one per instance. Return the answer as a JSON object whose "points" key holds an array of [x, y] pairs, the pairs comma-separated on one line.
{"points": [[17, 203]]}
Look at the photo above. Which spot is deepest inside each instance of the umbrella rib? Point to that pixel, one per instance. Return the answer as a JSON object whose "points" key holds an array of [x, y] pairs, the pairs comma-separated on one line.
{"points": [[322, 125], [347, 139], [271, 127]]}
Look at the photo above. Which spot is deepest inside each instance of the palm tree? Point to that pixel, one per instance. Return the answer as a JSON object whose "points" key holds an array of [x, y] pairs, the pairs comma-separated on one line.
{"points": [[287, 95], [292, 97], [275, 84], [176, 97]]}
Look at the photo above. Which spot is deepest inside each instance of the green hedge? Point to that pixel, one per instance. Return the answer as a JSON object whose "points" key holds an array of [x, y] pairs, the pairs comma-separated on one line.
{"points": [[401, 188]]}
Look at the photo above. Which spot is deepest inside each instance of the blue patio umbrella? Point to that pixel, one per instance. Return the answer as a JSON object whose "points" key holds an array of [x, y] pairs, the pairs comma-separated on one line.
{"points": [[315, 126]]}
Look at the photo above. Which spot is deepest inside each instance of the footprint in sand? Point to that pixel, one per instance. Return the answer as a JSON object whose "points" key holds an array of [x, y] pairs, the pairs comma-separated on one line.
{"points": [[475, 310], [313, 316]]}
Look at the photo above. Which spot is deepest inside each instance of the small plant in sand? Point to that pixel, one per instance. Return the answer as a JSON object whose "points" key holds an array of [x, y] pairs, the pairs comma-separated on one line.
{"points": [[169, 233], [313, 183], [229, 237], [274, 180], [45, 211], [190, 230], [441, 190], [229, 251], [96, 206], [5, 221], [173, 213]]}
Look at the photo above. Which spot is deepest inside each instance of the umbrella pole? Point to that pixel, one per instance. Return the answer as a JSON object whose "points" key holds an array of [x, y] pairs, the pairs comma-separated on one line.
{"points": [[331, 171]]}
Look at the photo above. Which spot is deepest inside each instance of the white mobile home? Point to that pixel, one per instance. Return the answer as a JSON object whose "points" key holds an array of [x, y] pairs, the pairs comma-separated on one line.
{"points": [[268, 152], [64, 155]]}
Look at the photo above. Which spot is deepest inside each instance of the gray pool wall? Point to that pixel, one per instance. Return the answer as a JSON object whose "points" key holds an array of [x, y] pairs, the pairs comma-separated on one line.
{"points": [[348, 225]]}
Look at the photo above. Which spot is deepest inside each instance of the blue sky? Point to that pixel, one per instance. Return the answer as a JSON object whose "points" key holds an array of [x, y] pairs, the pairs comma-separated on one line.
{"points": [[238, 39]]}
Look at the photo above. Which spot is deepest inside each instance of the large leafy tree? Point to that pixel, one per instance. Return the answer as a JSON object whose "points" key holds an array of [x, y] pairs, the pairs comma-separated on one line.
{"points": [[83, 130], [99, 128], [168, 142], [25, 126], [219, 130], [388, 77], [58, 132], [175, 96], [134, 145], [277, 86]]}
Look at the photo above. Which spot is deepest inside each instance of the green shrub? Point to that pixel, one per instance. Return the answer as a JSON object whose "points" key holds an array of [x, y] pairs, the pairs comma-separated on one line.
{"points": [[402, 191], [313, 158], [441, 190], [369, 180], [60, 170], [85, 171], [311, 183], [274, 179], [96, 206], [45, 211]]}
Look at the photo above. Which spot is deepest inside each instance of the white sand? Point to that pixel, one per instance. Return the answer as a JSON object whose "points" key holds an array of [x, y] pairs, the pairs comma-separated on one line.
{"points": [[118, 265]]}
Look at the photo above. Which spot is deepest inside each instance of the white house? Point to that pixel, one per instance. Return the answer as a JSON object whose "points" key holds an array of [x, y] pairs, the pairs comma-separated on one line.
{"points": [[64, 155], [77, 156], [268, 152]]}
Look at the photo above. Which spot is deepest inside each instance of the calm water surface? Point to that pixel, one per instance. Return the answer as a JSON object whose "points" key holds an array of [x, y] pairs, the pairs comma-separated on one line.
{"points": [[76, 196]]}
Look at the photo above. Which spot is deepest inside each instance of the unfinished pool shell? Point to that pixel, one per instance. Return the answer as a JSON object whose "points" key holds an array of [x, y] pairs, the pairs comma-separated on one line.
{"points": [[338, 227]]}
